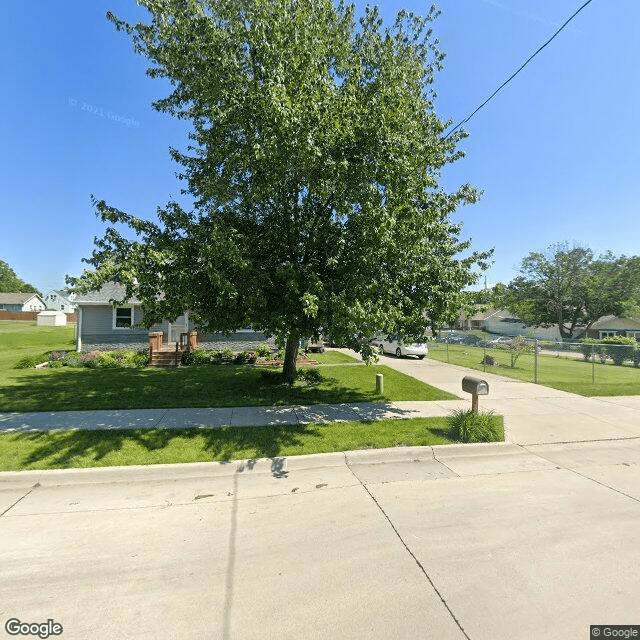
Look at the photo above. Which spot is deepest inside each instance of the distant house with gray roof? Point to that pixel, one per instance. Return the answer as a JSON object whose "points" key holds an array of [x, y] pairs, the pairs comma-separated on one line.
{"points": [[502, 322], [613, 326], [61, 300], [18, 302]]}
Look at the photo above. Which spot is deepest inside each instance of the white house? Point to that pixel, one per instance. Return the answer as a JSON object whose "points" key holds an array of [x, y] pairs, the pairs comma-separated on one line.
{"points": [[22, 302], [60, 300]]}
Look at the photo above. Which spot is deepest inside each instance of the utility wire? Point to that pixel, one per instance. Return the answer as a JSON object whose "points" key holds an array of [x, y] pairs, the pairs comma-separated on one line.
{"points": [[513, 75]]}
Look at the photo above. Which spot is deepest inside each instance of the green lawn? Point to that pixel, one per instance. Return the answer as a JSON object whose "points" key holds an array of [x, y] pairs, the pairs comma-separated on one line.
{"points": [[77, 448], [204, 386], [333, 357], [19, 339], [564, 373], [207, 386]]}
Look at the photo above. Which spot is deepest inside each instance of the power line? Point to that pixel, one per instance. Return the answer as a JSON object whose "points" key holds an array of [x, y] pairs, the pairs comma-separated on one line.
{"points": [[513, 75]]}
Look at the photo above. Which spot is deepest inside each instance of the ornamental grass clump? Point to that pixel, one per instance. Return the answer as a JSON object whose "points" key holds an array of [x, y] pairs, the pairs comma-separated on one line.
{"points": [[28, 362], [468, 426]]}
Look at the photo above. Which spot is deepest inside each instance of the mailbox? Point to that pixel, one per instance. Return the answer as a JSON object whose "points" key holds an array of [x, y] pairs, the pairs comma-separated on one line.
{"points": [[475, 387]]}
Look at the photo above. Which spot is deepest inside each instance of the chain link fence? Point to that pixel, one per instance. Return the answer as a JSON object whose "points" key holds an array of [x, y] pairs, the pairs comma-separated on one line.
{"points": [[588, 368]]}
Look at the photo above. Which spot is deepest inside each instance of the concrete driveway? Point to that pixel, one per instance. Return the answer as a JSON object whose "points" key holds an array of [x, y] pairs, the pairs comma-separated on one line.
{"points": [[534, 538], [533, 413]]}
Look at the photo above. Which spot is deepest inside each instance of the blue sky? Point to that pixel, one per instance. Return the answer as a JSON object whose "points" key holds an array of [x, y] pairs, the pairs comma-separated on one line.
{"points": [[555, 153]]}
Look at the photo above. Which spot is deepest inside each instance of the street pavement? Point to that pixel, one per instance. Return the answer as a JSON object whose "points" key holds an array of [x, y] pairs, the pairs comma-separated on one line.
{"points": [[537, 537]]}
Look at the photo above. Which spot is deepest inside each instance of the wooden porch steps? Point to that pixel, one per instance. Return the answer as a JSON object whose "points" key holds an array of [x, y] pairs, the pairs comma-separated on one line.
{"points": [[168, 356]]}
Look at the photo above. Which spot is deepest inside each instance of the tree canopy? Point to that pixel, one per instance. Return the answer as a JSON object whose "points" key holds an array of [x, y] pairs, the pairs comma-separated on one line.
{"points": [[10, 283], [314, 167], [571, 288]]}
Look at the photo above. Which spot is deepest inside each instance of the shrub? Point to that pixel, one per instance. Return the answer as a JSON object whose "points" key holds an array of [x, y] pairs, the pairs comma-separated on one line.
{"points": [[141, 358], [620, 348], [227, 353], [242, 357], [310, 376], [197, 357], [56, 364], [28, 362], [263, 351], [73, 360], [122, 359], [517, 347], [593, 346], [54, 356], [467, 426], [109, 359], [90, 359]]}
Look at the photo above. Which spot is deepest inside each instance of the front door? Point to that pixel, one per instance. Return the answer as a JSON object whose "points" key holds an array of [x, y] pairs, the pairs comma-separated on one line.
{"points": [[178, 326]]}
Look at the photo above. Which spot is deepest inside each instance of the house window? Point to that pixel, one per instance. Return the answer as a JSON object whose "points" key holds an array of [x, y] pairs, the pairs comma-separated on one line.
{"points": [[607, 334], [122, 317], [633, 334]]}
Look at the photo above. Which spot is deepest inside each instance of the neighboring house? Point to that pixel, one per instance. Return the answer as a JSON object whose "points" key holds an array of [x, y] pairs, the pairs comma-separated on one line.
{"points": [[502, 322], [614, 326], [477, 321], [104, 322], [22, 302], [61, 300]]}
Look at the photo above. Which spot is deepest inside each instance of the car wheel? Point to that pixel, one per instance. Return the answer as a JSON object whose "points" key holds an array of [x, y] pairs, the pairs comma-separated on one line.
{"points": [[398, 353], [420, 357]]}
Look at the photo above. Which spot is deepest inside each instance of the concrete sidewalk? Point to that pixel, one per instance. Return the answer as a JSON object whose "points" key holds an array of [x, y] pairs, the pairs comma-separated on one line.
{"points": [[230, 416]]}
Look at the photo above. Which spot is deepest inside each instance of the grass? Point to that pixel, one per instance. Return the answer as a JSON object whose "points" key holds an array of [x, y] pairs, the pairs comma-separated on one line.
{"points": [[468, 426], [68, 389], [79, 449], [563, 373], [19, 339], [206, 386], [333, 357]]}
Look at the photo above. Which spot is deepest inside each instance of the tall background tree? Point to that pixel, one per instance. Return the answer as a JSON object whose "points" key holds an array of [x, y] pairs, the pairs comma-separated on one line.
{"points": [[314, 168], [10, 283], [569, 287]]}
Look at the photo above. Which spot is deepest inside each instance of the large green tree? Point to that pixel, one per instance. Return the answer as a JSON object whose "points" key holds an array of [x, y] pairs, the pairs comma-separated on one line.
{"points": [[11, 283], [569, 287], [314, 168]]}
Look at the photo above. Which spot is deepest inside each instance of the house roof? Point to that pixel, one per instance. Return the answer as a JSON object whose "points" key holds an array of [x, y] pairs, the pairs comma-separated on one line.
{"points": [[18, 298], [62, 293], [109, 293], [491, 314], [613, 323]]}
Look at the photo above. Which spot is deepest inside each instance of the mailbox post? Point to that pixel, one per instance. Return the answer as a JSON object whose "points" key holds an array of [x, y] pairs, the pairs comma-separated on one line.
{"points": [[476, 387]]}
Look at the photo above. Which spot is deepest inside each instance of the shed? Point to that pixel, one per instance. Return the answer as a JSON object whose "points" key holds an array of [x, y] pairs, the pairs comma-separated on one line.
{"points": [[52, 319]]}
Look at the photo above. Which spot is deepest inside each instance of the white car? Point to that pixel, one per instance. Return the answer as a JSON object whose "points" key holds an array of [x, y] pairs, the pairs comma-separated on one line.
{"points": [[398, 347]]}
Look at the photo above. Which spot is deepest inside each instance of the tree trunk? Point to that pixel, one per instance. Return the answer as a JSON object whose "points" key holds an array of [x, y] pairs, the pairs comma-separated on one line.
{"points": [[289, 370]]}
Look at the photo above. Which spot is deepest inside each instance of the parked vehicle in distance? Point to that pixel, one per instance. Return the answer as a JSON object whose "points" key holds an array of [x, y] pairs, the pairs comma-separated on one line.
{"points": [[314, 345], [399, 348], [502, 341]]}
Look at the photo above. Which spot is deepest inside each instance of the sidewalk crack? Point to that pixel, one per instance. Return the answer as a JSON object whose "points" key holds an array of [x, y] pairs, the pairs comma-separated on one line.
{"points": [[37, 484], [582, 475], [408, 550]]}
